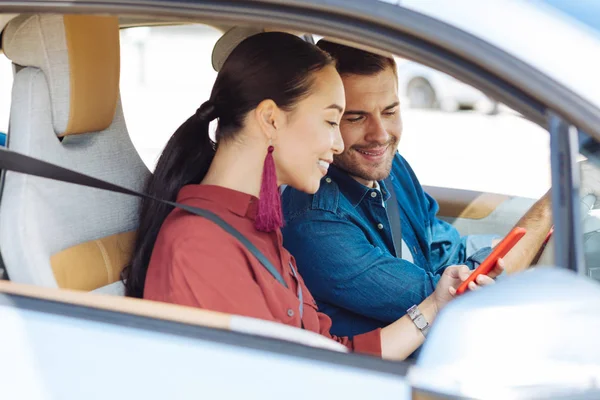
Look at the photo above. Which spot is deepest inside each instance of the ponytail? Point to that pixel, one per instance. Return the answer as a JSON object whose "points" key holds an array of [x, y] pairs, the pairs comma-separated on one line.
{"points": [[185, 160]]}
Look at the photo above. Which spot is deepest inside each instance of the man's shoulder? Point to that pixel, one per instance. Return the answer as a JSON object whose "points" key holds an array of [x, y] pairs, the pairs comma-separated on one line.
{"points": [[401, 166], [296, 203], [404, 174]]}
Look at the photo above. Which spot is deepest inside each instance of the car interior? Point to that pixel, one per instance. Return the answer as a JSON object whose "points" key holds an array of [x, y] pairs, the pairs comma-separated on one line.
{"points": [[65, 109], [60, 241]]}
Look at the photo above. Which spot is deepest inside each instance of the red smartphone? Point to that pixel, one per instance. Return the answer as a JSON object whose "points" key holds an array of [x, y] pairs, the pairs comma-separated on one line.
{"points": [[490, 262]]}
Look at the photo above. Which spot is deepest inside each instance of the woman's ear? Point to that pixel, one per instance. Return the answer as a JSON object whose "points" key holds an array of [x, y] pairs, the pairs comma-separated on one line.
{"points": [[269, 117]]}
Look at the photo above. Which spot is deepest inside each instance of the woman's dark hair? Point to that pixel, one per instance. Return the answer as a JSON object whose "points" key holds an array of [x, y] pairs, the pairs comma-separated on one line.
{"points": [[272, 65]]}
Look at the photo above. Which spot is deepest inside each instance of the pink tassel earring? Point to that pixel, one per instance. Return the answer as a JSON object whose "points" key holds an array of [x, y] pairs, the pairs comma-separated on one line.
{"points": [[269, 215]]}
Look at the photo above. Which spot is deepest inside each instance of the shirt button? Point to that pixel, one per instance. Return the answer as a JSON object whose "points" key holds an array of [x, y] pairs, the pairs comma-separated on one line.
{"points": [[328, 180], [373, 194], [380, 226], [290, 312]]}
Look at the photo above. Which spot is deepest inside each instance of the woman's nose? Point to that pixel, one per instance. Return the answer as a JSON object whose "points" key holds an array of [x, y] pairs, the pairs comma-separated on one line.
{"points": [[338, 142]]}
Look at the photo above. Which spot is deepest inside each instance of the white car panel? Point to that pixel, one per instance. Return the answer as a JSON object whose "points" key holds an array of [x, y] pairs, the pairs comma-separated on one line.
{"points": [[53, 356], [538, 341]]}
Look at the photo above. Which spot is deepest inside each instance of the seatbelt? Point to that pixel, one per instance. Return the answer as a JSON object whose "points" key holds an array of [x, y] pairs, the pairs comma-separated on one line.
{"points": [[393, 213], [12, 161], [3, 271]]}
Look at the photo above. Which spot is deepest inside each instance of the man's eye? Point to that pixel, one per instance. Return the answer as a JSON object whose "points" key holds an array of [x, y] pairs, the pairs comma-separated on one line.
{"points": [[390, 112], [355, 119]]}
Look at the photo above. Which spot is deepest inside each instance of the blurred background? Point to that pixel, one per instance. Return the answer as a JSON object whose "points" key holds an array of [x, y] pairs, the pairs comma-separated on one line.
{"points": [[454, 136]]}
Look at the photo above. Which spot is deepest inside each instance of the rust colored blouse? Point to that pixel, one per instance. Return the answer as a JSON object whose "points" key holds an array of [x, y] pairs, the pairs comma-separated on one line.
{"points": [[196, 263]]}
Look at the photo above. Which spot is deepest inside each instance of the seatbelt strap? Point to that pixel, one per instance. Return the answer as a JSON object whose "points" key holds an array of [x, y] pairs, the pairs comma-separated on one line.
{"points": [[12, 161], [3, 270], [393, 213], [299, 294]]}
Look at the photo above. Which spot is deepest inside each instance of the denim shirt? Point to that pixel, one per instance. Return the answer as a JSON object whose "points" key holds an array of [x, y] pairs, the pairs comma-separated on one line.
{"points": [[342, 242]]}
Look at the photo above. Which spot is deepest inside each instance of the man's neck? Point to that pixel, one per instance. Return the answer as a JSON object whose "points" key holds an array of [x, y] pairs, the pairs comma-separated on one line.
{"points": [[369, 184]]}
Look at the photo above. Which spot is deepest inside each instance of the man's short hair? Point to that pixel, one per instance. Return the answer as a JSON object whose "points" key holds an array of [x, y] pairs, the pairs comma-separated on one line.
{"points": [[353, 61]]}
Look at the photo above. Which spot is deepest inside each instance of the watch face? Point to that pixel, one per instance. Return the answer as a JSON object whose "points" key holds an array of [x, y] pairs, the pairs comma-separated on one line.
{"points": [[421, 322]]}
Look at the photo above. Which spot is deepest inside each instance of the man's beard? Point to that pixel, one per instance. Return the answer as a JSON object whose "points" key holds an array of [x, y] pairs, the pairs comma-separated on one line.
{"points": [[349, 161]]}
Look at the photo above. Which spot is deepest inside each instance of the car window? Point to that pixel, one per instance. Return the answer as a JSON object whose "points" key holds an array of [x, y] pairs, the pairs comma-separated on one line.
{"points": [[166, 74], [590, 205], [456, 137]]}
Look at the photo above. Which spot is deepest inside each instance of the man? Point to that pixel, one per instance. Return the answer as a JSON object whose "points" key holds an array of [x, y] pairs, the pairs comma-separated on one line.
{"points": [[342, 236]]}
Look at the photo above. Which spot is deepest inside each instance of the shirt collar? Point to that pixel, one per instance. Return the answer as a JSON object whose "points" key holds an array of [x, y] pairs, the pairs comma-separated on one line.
{"points": [[239, 203], [351, 188]]}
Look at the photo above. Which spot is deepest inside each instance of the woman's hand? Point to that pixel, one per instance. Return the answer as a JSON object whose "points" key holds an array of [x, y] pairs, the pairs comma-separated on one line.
{"points": [[455, 275], [401, 338]]}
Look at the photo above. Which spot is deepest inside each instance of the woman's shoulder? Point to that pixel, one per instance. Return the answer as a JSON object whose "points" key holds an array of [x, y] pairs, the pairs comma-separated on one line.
{"points": [[181, 226]]}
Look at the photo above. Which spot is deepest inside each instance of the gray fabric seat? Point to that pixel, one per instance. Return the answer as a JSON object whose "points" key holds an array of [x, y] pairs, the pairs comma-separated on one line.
{"points": [[66, 110]]}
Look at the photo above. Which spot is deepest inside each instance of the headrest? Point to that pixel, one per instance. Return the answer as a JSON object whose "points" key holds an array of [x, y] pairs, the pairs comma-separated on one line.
{"points": [[228, 42], [5, 19], [79, 55], [235, 36]]}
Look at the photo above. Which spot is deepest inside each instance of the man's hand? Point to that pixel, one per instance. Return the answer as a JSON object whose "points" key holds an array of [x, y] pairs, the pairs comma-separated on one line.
{"points": [[498, 269]]}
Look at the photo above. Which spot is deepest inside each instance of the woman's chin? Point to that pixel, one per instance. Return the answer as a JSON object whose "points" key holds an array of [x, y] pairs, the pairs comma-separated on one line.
{"points": [[314, 189], [309, 187]]}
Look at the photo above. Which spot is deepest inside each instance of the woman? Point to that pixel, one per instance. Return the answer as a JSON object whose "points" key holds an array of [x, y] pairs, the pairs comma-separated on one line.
{"points": [[278, 101]]}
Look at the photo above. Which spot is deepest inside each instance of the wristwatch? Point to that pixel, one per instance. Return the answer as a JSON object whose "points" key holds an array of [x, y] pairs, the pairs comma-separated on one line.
{"points": [[418, 319]]}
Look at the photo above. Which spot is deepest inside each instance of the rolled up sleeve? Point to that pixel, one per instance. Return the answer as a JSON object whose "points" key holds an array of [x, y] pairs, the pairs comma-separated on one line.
{"points": [[366, 343]]}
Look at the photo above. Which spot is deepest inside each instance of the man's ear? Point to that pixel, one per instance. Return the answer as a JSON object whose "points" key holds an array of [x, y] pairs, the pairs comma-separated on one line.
{"points": [[270, 118]]}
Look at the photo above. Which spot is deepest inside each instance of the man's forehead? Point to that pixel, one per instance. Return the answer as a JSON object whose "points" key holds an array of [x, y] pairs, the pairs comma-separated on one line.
{"points": [[366, 92]]}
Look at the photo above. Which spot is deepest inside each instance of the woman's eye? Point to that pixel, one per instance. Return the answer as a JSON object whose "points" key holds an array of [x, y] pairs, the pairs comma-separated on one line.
{"points": [[332, 123]]}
